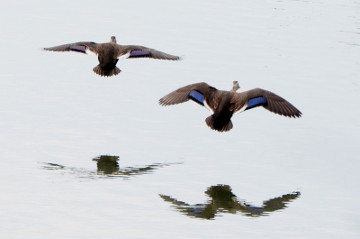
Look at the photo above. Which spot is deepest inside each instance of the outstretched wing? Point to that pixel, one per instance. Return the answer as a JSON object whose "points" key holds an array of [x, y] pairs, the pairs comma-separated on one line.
{"points": [[78, 47], [270, 101], [279, 202], [198, 92], [141, 51]]}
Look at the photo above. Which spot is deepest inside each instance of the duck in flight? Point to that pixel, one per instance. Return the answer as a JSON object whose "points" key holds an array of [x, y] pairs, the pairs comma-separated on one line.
{"points": [[108, 54], [224, 104]]}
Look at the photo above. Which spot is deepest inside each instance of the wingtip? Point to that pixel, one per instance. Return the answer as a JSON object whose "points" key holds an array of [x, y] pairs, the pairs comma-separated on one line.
{"points": [[173, 58], [163, 102], [296, 115]]}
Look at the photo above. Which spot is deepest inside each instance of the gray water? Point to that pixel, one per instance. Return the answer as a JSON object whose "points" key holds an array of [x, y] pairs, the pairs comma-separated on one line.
{"points": [[269, 177]]}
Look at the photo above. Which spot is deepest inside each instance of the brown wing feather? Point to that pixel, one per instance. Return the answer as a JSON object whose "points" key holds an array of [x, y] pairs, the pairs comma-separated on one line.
{"points": [[72, 47], [275, 103], [155, 54], [182, 94]]}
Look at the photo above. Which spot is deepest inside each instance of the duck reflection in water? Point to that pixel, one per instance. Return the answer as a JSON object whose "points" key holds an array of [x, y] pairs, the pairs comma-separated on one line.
{"points": [[108, 166], [224, 201]]}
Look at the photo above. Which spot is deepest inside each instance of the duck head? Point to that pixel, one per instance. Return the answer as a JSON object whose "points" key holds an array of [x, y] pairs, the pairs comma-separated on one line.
{"points": [[235, 86]]}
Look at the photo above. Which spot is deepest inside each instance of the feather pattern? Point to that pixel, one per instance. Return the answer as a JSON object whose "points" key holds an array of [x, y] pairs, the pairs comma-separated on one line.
{"points": [[78, 47], [141, 51], [275, 103]]}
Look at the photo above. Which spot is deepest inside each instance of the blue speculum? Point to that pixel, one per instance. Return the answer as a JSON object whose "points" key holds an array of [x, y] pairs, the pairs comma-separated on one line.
{"points": [[78, 48], [197, 97], [257, 101], [137, 53]]}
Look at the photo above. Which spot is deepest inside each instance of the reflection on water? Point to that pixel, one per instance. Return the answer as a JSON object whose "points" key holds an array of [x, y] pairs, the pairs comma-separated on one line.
{"points": [[224, 201], [107, 166]]}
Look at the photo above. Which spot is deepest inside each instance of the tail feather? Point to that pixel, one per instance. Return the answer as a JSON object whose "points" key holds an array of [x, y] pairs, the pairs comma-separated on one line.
{"points": [[218, 125], [104, 72]]}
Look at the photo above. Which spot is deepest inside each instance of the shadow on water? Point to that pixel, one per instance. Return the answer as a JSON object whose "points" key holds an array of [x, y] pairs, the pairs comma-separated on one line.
{"points": [[107, 166], [224, 201]]}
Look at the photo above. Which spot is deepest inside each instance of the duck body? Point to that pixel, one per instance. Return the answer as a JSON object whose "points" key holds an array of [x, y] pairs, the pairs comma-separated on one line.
{"points": [[224, 104], [108, 54], [220, 119]]}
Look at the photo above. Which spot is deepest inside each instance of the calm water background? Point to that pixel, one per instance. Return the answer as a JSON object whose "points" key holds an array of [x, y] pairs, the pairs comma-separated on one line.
{"points": [[54, 109]]}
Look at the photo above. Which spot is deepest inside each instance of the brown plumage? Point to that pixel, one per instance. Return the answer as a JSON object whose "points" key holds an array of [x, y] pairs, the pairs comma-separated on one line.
{"points": [[108, 54], [225, 103]]}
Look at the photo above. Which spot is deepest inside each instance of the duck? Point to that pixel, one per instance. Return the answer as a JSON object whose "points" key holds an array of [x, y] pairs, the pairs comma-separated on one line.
{"points": [[109, 52], [224, 104]]}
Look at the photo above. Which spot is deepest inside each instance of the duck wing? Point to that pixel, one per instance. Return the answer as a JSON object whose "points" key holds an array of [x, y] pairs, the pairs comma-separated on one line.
{"points": [[141, 51], [201, 93], [77, 47], [278, 203], [270, 101]]}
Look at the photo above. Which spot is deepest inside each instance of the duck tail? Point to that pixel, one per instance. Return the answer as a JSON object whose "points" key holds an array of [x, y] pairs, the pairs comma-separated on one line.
{"points": [[104, 72], [218, 125]]}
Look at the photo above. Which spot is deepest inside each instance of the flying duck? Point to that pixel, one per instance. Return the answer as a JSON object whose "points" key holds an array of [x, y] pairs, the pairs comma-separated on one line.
{"points": [[108, 54], [224, 104]]}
